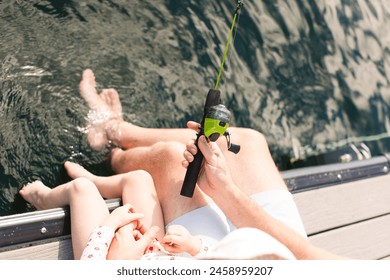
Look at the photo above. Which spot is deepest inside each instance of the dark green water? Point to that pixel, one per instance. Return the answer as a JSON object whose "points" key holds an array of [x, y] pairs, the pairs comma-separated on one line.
{"points": [[311, 75]]}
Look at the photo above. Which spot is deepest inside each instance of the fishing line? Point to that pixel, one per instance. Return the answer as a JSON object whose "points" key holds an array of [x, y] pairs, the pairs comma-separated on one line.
{"points": [[236, 13], [235, 34], [214, 123], [233, 42]]}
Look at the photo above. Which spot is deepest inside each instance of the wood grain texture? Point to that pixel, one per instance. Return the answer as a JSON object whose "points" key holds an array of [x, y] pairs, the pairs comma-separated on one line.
{"points": [[366, 240], [335, 206]]}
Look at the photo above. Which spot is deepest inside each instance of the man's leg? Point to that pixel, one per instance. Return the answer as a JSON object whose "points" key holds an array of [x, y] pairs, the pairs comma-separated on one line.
{"points": [[149, 149], [253, 170], [105, 122], [253, 167]]}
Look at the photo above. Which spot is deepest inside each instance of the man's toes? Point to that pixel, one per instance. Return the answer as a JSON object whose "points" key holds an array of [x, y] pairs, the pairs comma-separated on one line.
{"points": [[115, 103], [89, 76]]}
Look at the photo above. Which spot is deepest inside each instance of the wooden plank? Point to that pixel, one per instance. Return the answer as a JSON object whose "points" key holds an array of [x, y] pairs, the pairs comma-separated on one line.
{"points": [[56, 250], [331, 207], [321, 209], [366, 240]]}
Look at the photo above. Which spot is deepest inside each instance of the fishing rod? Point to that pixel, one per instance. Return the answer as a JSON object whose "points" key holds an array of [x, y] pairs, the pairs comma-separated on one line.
{"points": [[215, 121]]}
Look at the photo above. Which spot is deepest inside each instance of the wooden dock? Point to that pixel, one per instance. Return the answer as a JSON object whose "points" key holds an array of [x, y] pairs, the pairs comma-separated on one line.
{"points": [[351, 219]]}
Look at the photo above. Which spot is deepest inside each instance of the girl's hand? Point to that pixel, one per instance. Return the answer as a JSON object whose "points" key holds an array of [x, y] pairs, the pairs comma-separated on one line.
{"points": [[178, 240], [122, 216], [126, 246]]}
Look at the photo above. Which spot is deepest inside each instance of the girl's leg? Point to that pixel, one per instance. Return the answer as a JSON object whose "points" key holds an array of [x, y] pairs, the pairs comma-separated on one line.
{"points": [[87, 207], [139, 190], [136, 188], [163, 162]]}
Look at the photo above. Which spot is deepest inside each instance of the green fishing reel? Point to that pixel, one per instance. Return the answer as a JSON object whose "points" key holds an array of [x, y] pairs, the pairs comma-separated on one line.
{"points": [[216, 122]]}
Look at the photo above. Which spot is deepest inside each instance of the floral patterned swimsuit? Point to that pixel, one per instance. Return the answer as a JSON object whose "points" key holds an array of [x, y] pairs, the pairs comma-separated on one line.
{"points": [[101, 238]]}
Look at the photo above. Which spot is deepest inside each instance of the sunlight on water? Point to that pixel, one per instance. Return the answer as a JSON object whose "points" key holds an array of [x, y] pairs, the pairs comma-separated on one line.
{"points": [[312, 76]]}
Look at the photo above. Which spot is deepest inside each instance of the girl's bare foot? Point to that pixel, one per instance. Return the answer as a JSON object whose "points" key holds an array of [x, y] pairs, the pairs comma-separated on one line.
{"points": [[36, 193], [105, 111], [75, 170]]}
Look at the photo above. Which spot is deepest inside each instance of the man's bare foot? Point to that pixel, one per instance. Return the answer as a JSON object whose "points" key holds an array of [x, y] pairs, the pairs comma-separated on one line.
{"points": [[111, 98], [36, 193], [75, 170], [105, 111]]}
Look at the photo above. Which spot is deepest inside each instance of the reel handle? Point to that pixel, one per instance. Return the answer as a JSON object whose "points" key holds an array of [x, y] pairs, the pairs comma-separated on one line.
{"points": [[191, 177]]}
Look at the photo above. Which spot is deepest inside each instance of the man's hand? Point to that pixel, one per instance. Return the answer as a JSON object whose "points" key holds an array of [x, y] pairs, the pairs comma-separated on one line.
{"points": [[215, 173]]}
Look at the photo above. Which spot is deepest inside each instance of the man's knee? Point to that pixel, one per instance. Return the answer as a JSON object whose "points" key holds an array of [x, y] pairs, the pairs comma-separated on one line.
{"points": [[168, 151], [249, 136]]}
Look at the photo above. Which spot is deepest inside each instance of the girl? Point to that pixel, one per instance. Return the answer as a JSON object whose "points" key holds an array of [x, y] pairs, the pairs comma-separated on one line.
{"points": [[93, 228]]}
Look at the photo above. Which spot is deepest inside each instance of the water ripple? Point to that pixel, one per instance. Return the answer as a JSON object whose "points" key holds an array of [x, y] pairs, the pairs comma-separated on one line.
{"points": [[311, 75]]}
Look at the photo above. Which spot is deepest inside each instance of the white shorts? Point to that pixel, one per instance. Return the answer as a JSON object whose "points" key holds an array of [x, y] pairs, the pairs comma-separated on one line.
{"points": [[211, 221]]}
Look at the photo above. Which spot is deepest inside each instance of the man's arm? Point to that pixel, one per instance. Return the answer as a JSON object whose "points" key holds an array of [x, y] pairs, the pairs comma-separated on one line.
{"points": [[243, 211], [247, 213]]}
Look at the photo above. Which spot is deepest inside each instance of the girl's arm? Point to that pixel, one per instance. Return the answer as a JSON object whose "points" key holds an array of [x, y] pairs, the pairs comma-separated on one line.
{"points": [[102, 236]]}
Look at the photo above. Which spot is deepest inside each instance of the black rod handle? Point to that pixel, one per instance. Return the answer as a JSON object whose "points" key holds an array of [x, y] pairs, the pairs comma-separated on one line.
{"points": [[191, 177], [192, 173]]}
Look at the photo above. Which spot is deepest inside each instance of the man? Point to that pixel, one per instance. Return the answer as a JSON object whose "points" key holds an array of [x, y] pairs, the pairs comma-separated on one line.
{"points": [[235, 191]]}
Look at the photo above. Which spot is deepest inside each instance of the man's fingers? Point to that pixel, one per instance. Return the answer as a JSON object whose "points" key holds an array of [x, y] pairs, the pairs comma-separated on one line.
{"points": [[188, 156], [193, 125], [205, 148], [189, 153], [185, 163], [191, 147]]}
